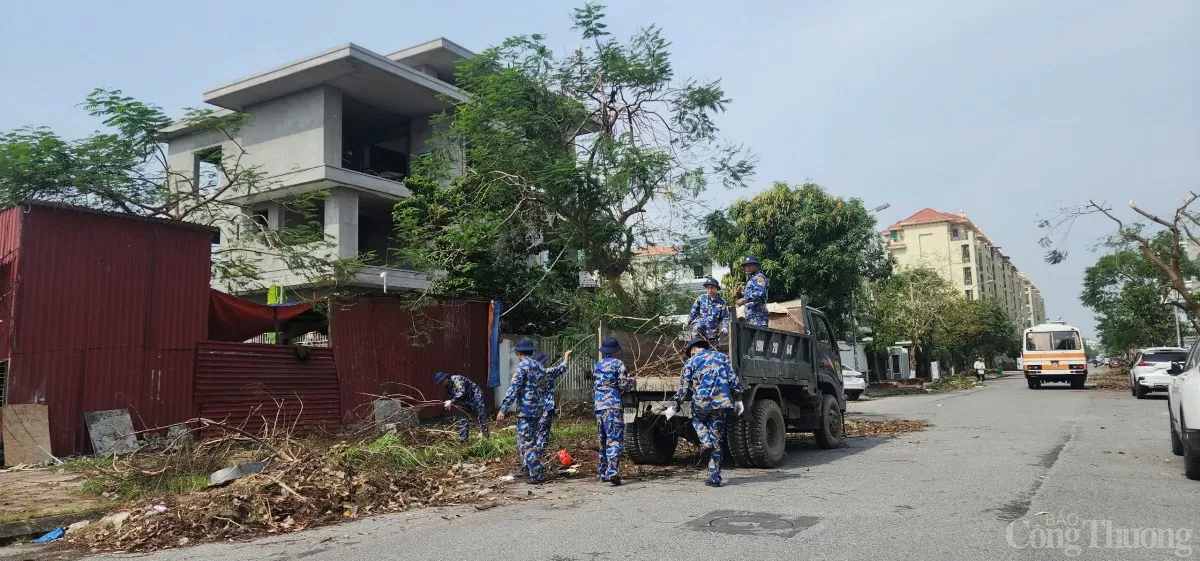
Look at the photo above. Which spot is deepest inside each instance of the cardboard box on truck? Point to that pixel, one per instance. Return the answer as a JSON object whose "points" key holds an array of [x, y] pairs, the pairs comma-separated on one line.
{"points": [[788, 316]]}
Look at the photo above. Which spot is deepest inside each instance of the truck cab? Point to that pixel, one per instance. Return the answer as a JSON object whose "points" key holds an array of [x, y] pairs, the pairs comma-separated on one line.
{"points": [[792, 383]]}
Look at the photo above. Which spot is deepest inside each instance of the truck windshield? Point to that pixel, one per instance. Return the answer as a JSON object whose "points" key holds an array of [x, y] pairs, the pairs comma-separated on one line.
{"points": [[1053, 341]]}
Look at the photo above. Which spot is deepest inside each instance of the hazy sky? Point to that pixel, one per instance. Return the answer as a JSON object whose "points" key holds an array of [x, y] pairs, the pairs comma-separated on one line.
{"points": [[1003, 109]]}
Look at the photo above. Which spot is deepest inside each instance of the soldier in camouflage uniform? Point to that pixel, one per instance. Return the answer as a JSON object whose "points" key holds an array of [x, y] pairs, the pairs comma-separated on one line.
{"points": [[529, 387], [709, 381], [708, 317], [754, 297], [610, 380], [552, 374], [468, 395]]}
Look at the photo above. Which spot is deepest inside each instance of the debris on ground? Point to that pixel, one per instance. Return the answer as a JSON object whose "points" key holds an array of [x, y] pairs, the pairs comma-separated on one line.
{"points": [[886, 427], [1112, 380], [953, 383]]}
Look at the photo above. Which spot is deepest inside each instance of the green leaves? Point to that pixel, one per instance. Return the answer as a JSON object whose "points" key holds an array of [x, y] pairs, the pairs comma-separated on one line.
{"points": [[1131, 295], [811, 243], [566, 156]]}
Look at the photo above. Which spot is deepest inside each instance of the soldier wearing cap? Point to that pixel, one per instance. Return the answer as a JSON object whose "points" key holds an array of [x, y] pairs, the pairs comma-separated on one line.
{"points": [[468, 395], [708, 317], [610, 380], [755, 295], [528, 391], [709, 381]]}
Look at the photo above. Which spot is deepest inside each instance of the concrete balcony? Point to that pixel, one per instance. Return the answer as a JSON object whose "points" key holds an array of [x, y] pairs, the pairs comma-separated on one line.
{"points": [[322, 177]]}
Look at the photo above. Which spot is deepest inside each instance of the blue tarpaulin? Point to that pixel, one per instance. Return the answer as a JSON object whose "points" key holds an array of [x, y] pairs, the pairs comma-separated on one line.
{"points": [[494, 345]]}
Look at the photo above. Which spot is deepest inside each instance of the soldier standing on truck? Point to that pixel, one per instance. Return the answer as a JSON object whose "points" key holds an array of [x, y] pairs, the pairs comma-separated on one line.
{"points": [[754, 297], [610, 379], [552, 374], [529, 387], [710, 382], [708, 317]]}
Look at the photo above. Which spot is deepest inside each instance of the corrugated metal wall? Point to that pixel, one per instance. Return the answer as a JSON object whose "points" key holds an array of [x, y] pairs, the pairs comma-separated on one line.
{"points": [[108, 311], [253, 386], [381, 348]]}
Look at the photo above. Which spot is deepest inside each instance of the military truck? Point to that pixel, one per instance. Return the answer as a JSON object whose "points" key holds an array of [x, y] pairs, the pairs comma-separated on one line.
{"points": [[792, 383]]}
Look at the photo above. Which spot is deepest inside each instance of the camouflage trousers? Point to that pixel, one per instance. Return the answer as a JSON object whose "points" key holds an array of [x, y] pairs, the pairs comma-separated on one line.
{"points": [[610, 423], [543, 429], [473, 408], [710, 427], [531, 454]]}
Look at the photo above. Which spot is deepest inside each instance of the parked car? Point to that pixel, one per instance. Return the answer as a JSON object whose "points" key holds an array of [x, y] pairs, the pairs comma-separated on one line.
{"points": [[1151, 367], [853, 383], [1183, 403], [1116, 362]]}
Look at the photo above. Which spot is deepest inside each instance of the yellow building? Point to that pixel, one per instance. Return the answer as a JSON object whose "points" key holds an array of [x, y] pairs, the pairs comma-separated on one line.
{"points": [[957, 249]]}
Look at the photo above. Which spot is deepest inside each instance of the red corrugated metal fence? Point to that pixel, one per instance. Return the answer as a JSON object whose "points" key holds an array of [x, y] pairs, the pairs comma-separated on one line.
{"points": [[253, 385], [106, 314], [382, 348]]}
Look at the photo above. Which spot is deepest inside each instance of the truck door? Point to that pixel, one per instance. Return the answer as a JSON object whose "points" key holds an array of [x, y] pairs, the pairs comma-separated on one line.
{"points": [[829, 360]]}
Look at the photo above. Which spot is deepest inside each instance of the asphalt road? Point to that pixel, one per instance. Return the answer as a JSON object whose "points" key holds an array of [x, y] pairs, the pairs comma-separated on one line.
{"points": [[969, 488]]}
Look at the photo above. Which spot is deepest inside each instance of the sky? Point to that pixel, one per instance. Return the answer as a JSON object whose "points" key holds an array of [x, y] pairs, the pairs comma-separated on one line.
{"points": [[1006, 110]]}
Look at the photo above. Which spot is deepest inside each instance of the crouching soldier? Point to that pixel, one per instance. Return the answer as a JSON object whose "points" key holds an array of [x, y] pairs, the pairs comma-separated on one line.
{"points": [[467, 395], [709, 381], [552, 374], [610, 379], [528, 390]]}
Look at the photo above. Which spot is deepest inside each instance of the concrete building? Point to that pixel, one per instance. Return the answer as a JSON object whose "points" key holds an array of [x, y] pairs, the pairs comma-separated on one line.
{"points": [[347, 121], [958, 249]]}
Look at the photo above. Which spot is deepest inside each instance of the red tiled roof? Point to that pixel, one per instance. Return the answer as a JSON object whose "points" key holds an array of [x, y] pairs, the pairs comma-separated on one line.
{"points": [[656, 250], [928, 216]]}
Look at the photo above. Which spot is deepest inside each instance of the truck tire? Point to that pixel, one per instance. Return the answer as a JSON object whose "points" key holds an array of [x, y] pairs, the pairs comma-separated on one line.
{"points": [[649, 442], [767, 434], [829, 434], [737, 446], [1033, 385], [1078, 382]]}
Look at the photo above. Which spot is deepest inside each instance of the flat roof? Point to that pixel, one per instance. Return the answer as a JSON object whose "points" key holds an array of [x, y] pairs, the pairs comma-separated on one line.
{"points": [[360, 73]]}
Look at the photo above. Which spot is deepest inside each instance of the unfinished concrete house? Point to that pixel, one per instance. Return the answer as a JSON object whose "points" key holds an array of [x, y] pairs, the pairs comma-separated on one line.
{"points": [[347, 121]]}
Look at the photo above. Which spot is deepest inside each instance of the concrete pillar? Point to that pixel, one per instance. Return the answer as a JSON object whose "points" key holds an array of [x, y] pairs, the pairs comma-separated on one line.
{"points": [[332, 104], [341, 221]]}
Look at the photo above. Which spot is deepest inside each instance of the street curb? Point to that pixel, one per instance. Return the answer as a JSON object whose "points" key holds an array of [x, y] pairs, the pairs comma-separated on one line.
{"points": [[31, 526]]}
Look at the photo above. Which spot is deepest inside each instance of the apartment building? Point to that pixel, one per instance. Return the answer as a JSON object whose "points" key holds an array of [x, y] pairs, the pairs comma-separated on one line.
{"points": [[958, 249], [346, 121]]}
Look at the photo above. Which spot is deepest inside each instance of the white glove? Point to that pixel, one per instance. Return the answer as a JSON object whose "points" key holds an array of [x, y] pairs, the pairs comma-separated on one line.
{"points": [[449, 403], [670, 412], [739, 408]]}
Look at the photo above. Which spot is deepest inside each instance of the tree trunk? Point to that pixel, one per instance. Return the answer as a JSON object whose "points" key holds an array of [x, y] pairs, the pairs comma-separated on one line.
{"points": [[618, 289]]}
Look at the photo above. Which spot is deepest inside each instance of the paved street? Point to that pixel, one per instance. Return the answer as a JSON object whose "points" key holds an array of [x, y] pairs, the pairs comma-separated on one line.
{"points": [[966, 489]]}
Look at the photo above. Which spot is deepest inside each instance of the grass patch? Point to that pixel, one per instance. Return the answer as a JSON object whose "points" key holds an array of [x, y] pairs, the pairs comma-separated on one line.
{"points": [[951, 384], [390, 451], [573, 430]]}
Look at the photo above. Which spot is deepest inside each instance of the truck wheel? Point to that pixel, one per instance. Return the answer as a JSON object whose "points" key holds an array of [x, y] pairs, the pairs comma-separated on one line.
{"points": [[829, 435], [1032, 383], [736, 442], [767, 433], [650, 442], [1078, 382]]}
